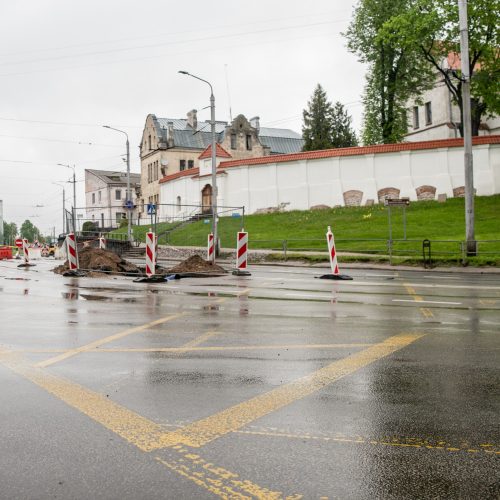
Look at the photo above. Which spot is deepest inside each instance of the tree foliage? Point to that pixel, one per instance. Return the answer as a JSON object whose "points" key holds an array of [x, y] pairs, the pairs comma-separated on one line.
{"points": [[9, 232], [394, 74], [30, 231], [325, 125], [342, 133], [316, 130], [430, 29]]}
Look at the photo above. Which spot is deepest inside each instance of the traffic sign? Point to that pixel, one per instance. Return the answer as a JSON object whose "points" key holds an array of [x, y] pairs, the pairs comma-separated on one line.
{"points": [[19, 243], [129, 204], [151, 208], [397, 202]]}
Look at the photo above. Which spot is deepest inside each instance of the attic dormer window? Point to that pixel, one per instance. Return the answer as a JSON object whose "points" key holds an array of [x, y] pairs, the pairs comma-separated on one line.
{"points": [[233, 141], [149, 142], [249, 142]]}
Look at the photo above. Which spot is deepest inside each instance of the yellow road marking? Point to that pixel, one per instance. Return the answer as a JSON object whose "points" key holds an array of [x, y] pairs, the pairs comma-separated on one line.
{"points": [[139, 431], [426, 312], [397, 442], [208, 429], [234, 348], [106, 340], [217, 480], [195, 343]]}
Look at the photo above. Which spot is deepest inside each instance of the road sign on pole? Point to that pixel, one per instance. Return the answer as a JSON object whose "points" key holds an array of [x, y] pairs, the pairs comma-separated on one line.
{"points": [[129, 205], [19, 243], [151, 208]]}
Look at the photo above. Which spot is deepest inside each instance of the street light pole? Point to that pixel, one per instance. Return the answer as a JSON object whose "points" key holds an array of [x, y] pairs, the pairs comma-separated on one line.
{"points": [[128, 196], [73, 212], [467, 130], [64, 206], [214, 165]]}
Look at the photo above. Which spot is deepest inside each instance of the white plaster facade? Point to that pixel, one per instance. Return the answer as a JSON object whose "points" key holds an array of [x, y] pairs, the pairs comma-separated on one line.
{"points": [[105, 195], [301, 181]]}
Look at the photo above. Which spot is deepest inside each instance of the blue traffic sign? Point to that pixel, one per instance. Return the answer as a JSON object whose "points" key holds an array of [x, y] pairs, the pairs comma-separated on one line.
{"points": [[129, 204], [151, 208]]}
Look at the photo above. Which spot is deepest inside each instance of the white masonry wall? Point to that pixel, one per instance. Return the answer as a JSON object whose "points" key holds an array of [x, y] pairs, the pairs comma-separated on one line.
{"points": [[331, 181]]}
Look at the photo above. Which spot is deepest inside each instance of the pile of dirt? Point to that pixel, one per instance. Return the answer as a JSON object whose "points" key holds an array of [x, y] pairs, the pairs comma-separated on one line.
{"points": [[195, 264], [101, 261]]}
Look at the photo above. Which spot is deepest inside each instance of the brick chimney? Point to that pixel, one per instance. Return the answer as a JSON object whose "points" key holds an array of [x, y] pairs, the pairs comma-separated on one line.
{"points": [[192, 119]]}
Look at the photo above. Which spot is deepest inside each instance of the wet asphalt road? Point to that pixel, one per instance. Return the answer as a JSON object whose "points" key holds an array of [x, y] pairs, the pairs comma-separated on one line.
{"points": [[272, 386]]}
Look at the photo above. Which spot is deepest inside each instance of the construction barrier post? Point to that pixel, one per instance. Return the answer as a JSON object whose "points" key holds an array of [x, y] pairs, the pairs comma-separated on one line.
{"points": [[241, 254], [102, 242], [210, 248], [335, 274], [150, 253], [72, 252], [26, 255]]}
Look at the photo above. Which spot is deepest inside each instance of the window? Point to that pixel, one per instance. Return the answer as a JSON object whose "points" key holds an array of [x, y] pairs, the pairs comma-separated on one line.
{"points": [[190, 163], [150, 172], [178, 203], [99, 196], [119, 216], [118, 194], [156, 170], [249, 142], [233, 141], [149, 142], [182, 165], [428, 113], [93, 198], [416, 123]]}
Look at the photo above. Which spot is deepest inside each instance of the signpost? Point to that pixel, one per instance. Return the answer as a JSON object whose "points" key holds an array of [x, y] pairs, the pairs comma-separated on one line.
{"points": [[19, 243], [397, 202]]}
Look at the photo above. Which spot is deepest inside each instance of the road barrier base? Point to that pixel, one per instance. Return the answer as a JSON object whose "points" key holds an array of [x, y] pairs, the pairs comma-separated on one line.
{"points": [[26, 264], [157, 278], [239, 272], [335, 277], [75, 273]]}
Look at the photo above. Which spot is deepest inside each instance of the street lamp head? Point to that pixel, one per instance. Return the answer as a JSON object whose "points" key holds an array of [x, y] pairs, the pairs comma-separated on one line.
{"points": [[183, 72], [106, 126]]}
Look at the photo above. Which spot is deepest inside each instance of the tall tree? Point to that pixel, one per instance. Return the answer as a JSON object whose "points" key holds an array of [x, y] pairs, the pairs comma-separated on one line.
{"points": [[393, 74], [430, 29], [30, 231], [317, 127], [9, 232], [342, 133]]}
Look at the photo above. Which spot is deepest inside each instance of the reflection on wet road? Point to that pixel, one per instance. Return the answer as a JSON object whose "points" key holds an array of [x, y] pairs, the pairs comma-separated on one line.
{"points": [[277, 385]]}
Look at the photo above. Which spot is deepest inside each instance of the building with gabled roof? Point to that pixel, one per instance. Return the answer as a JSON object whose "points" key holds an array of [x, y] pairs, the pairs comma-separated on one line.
{"points": [[169, 146], [106, 194]]}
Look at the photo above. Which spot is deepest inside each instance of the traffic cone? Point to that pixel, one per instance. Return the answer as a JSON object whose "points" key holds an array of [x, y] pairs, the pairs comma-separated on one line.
{"points": [[335, 274]]}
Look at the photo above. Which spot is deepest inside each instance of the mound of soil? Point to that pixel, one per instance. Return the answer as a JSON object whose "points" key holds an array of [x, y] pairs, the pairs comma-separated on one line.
{"points": [[99, 260], [195, 264]]}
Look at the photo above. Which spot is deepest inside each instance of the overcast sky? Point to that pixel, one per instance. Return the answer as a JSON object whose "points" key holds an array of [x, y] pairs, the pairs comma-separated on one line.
{"points": [[67, 68]]}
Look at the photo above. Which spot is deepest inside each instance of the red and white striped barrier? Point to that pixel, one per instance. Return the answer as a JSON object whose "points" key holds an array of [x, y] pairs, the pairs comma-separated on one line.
{"points": [[242, 250], [150, 254], [241, 254], [210, 248], [26, 251], [335, 274], [72, 252], [331, 250], [102, 242]]}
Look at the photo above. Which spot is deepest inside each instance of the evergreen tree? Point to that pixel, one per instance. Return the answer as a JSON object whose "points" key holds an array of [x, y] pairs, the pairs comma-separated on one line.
{"points": [[317, 127], [342, 133]]}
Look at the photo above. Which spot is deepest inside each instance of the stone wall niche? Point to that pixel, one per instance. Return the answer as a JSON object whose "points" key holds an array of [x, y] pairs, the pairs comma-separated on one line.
{"points": [[388, 192], [353, 198], [426, 192]]}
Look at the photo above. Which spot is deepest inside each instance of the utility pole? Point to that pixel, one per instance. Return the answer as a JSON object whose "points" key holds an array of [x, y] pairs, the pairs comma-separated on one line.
{"points": [[467, 130], [214, 163], [128, 202]]}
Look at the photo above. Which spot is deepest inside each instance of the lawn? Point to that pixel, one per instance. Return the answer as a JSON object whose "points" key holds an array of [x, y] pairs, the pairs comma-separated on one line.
{"points": [[356, 229]]}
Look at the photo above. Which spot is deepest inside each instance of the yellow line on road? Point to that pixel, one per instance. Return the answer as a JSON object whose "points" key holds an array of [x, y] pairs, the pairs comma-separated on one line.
{"points": [[191, 345], [106, 340], [396, 442], [141, 432], [234, 348], [232, 419], [425, 311]]}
